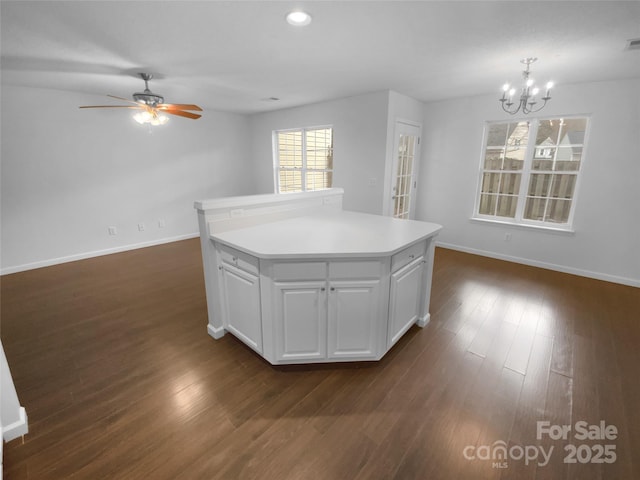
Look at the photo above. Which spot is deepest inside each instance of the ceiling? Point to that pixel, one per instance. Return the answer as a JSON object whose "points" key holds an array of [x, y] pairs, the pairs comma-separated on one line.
{"points": [[236, 55]]}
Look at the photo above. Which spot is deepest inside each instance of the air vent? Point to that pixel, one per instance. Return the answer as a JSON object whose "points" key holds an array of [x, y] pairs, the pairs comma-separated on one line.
{"points": [[633, 44]]}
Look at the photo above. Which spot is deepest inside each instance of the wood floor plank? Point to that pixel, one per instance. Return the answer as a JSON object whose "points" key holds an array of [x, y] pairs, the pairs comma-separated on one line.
{"points": [[400, 449], [493, 321], [558, 408], [530, 409], [394, 402], [586, 402], [520, 351], [534, 392], [435, 452], [500, 414]]}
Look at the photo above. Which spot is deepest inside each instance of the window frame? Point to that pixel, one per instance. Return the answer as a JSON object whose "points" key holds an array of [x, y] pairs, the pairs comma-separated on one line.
{"points": [[304, 169], [526, 172]]}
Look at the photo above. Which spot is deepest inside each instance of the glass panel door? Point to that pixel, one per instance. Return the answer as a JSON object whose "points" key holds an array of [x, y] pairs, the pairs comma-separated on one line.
{"points": [[404, 168]]}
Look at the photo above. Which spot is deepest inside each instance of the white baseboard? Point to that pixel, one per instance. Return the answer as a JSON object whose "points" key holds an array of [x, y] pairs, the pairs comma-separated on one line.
{"points": [[549, 266], [216, 333], [17, 428], [96, 253], [422, 322]]}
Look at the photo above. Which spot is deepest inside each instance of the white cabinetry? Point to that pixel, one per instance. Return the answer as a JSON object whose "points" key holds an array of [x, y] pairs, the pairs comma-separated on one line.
{"points": [[300, 320], [312, 310], [353, 319], [404, 299], [334, 310], [241, 297], [407, 275]]}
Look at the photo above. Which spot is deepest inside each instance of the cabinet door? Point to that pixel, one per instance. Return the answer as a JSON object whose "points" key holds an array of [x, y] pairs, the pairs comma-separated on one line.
{"points": [[404, 301], [354, 318], [241, 297], [300, 320]]}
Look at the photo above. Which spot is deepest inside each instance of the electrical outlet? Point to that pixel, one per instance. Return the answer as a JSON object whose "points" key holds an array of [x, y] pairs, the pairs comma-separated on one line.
{"points": [[373, 182], [507, 237], [161, 223], [113, 230], [141, 227]]}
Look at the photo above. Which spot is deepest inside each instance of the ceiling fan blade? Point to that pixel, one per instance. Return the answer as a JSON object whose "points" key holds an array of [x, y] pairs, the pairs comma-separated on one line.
{"points": [[179, 106], [111, 106], [180, 113], [123, 99]]}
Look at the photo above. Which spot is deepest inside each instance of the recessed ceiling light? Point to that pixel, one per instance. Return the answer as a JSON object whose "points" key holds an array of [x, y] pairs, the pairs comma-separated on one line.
{"points": [[298, 18]]}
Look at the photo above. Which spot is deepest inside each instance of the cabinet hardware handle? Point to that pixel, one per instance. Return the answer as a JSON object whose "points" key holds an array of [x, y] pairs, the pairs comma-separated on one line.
{"points": [[322, 289], [333, 289], [411, 257], [235, 259], [220, 267]]}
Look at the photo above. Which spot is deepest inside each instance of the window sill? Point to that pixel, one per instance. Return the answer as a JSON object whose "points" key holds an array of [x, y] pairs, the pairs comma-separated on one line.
{"points": [[526, 226]]}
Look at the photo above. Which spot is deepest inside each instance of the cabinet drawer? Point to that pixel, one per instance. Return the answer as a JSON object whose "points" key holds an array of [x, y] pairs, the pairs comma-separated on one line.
{"points": [[299, 271], [350, 269], [242, 260], [408, 255]]}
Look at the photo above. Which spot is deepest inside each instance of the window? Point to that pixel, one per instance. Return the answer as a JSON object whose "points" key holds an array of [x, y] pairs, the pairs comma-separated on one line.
{"points": [[529, 171], [303, 159]]}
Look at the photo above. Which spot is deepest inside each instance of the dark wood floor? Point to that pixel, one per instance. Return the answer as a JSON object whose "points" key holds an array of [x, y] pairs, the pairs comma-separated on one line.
{"points": [[111, 359]]}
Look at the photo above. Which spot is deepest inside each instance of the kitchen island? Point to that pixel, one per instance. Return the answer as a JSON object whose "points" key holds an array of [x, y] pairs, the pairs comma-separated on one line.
{"points": [[300, 280]]}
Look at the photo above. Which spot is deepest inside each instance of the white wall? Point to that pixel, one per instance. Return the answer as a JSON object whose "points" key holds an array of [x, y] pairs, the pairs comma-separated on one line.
{"points": [[359, 150], [68, 174], [607, 217]]}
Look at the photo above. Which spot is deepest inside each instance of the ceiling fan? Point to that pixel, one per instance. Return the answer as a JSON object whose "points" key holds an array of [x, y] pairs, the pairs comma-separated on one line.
{"points": [[152, 106]]}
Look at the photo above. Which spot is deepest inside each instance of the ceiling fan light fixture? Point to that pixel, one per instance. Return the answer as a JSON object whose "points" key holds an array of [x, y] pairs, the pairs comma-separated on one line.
{"points": [[151, 118]]}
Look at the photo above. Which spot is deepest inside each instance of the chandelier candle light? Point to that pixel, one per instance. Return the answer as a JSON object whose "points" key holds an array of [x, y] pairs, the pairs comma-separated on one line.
{"points": [[528, 101]]}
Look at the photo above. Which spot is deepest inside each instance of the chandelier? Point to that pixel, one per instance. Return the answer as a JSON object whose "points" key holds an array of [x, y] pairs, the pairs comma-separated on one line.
{"points": [[528, 102]]}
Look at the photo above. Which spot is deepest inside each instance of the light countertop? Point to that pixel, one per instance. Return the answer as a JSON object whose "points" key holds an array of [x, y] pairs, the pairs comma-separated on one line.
{"points": [[336, 234]]}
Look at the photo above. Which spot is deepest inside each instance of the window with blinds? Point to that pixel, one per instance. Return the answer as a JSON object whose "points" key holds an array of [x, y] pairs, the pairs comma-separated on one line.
{"points": [[529, 171], [303, 159]]}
